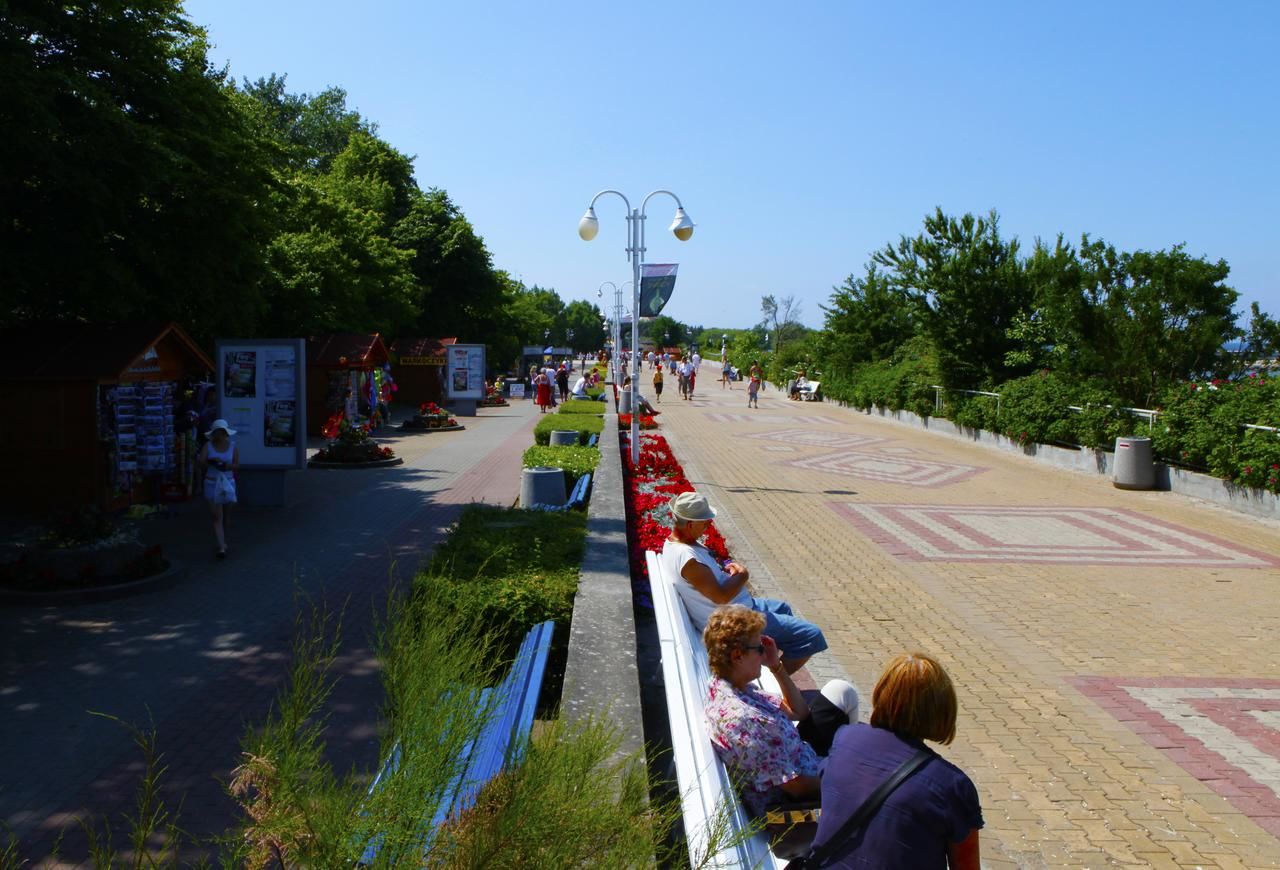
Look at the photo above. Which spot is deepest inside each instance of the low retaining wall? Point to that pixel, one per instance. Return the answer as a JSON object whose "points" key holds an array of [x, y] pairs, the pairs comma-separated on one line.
{"points": [[1245, 500], [601, 678]]}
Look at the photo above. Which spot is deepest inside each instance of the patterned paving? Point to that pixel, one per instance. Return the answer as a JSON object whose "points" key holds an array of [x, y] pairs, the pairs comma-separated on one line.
{"points": [[1224, 732], [817, 438], [904, 470], [988, 533], [771, 419]]}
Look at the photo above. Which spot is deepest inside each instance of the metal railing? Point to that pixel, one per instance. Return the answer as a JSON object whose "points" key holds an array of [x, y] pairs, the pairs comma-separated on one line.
{"points": [[938, 391]]}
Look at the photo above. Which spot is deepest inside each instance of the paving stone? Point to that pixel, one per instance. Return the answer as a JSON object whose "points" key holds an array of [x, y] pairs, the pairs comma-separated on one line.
{"points": [[1081, 644]]}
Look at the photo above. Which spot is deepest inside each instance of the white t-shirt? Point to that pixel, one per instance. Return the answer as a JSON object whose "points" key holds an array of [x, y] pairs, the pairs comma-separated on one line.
{"points": [[674, 557], [697, 361]]}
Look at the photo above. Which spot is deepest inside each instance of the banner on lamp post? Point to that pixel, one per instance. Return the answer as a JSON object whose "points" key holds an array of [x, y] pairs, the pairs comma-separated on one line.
{"points": [[657, 283]]}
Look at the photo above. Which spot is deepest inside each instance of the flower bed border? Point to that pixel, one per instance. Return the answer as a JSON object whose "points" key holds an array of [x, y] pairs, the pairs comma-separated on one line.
{"points": [[405, 427], [90, 594], [371, 463]]}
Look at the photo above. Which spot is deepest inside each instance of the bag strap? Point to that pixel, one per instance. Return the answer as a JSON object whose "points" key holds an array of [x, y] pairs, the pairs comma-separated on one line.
{"points": [[817, 857]]}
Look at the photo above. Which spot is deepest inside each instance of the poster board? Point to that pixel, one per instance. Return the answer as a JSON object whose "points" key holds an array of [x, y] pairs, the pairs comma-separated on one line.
{"points": [[464, 374], [262, 395]]}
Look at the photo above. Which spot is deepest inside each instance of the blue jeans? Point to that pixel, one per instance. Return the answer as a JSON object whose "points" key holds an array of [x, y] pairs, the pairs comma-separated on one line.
{"points": [[796, 637]]}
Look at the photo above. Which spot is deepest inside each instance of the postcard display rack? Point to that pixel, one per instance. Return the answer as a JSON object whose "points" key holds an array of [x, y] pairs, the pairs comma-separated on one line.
{"points": [[464, 377], [139, 425], [262, 395]]}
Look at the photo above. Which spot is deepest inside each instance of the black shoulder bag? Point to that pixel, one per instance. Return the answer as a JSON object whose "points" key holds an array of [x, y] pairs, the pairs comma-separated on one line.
{"points": [[819, 856]]}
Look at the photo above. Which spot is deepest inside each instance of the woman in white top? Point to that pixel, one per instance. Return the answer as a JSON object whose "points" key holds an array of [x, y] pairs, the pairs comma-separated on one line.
{"points": [[216, 465]]}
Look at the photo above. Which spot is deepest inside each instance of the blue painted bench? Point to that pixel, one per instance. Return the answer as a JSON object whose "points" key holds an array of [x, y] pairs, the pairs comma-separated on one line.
{"points": [[578, 497], [593, 440], [500, 744]]}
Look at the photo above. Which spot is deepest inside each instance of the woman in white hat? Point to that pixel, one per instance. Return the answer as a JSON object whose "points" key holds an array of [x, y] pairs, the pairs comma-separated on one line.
{"points": [[217, 464]]}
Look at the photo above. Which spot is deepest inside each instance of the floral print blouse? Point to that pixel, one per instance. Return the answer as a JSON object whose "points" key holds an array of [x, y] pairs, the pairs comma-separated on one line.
{"points": [[757, 742]]}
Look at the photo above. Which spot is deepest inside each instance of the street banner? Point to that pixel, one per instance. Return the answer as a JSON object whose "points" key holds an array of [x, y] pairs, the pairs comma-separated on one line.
{"points": [[657, 283]]}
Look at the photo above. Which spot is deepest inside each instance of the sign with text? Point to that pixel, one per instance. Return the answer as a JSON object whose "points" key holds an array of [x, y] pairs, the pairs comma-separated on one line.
{"points": [[262, 395], [464, 373]]}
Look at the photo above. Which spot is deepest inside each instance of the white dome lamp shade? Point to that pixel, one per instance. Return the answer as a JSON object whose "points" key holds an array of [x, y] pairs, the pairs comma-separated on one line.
{"points": [[682, 226], [588, 226]]}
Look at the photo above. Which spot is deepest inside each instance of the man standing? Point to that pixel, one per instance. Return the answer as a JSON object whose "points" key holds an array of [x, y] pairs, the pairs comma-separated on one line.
{"points": [[685, 369]]}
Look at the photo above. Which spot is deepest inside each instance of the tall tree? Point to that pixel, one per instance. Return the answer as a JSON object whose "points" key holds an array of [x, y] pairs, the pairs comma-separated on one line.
{"points": [[132, 183], [869, 317], [970, 286], [781, 317]]}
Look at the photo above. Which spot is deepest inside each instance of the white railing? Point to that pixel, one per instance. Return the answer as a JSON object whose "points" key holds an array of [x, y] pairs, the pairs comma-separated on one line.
{"points": [[938, 391]]}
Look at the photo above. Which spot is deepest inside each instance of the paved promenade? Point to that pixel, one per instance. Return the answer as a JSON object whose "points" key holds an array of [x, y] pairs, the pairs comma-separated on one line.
{"points": [[1116, 654], [205, 658]]}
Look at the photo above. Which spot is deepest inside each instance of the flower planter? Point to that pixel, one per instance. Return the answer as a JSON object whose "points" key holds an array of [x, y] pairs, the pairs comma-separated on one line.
{"points": [[418, 424], [106, 590], [367, 463]]}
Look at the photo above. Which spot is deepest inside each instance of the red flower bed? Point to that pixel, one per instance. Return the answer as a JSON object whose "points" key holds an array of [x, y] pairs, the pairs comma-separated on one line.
{"points": [[646, 422], [650, 485]]}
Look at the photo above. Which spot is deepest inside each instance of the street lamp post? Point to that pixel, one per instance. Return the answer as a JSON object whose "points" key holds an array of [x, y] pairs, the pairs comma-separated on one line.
{"points": [[682, 228]]}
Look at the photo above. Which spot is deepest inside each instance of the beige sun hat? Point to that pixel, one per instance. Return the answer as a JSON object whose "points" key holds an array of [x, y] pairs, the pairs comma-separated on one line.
{"points": [[691, 506], [219, 424]]}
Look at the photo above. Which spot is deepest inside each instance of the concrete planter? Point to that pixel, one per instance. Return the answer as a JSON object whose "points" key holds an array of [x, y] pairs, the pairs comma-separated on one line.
{"points": [[106, 591], [372, 463]]}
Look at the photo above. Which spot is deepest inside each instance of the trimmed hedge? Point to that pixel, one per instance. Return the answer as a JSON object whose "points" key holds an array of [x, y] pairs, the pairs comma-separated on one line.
{"points": [[573, 461], [585, 425], [510, 569], [582, 406]]}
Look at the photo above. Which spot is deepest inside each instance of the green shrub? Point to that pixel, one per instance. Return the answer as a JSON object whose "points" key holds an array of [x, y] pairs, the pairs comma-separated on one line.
{"points": [[1203, 425], [574, 461], [509, 570], [971, 412], [1036, 410], [585, 425], [901, 383], [582, 406]]}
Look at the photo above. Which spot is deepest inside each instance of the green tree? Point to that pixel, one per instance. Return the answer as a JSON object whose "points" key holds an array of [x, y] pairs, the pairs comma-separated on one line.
{"points": [[587, 323], [666, 331], [781, 318], [312, 130], [132, 182], [970, 286], [869, 317]]}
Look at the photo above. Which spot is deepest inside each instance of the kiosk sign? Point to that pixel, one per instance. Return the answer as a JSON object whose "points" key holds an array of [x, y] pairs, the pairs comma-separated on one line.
{"points": [[262, 395], [464, 374]]}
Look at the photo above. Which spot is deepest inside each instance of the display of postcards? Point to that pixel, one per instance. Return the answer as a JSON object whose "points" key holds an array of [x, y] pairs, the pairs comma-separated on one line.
{"points": [[126, 438], [126, 465]]}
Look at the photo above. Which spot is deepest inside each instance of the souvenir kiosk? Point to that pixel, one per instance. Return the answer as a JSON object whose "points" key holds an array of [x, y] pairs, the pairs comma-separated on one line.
{"points": [[345, 374], [107, 414], [418, 367]]}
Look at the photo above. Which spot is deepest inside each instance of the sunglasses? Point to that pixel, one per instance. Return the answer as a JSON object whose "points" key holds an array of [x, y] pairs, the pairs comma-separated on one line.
{"points": [[759, 647]]}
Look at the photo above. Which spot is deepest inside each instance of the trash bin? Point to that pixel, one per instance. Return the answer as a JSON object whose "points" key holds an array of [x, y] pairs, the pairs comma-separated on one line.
{"points": [[1134, 466], [542, 484], [624, 401], [564, 437]]}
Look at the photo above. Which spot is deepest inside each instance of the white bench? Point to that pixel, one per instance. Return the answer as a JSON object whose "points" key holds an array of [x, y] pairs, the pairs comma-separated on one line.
{"points": [[809, 392], [706, 793]]}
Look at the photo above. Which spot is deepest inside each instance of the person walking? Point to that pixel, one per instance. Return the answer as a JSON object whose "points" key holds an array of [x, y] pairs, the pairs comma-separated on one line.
{"points": [[217, 464], [657, 384], [562, 383], [725, 370], [542, 389], [753, 386]]}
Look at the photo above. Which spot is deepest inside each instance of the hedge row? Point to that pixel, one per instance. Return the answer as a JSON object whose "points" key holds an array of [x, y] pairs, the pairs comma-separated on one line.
{"points": [[585, 425]]}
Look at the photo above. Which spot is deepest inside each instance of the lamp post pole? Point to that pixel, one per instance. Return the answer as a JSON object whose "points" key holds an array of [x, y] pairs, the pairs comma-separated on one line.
{"points": [[682, 227]]}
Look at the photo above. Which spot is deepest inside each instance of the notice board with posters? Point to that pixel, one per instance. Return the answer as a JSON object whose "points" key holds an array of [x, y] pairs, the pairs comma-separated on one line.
{"points": [[262, 394], [464, 371]]}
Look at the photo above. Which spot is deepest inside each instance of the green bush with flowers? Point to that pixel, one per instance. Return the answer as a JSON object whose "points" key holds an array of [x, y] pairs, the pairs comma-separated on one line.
{"points": [[1202, 425]]}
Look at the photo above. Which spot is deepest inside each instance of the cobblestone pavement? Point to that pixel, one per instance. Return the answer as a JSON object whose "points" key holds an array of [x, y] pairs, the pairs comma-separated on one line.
{"points": [[204, 659], [1116, 654]]}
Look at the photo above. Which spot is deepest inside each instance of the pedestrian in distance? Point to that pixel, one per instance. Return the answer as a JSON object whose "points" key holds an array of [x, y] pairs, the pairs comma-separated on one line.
{"points": [[542, 389], [216, 465], [657, 384], [753, 386]]}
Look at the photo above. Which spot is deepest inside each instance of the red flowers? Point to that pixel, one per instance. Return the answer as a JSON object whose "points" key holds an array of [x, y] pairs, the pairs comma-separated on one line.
{"points": [[651, 484], [646, 422]]}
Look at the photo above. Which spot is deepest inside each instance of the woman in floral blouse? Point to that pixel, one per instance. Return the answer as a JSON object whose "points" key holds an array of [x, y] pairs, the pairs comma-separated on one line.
{"points": [[752, 731]]}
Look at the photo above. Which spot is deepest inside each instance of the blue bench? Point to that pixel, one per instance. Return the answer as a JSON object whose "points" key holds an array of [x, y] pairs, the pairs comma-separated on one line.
{"points": [[578, 497], [593, 440], [500, 744]]}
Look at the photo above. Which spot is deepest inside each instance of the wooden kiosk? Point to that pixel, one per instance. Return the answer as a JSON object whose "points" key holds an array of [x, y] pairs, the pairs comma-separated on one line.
{"points": [[103, 414], [337, 364], [418, 365]]}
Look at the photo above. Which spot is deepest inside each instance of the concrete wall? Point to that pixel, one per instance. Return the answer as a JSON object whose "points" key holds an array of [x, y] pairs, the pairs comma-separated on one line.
{"points": [[1254, 502], [601, 678]]}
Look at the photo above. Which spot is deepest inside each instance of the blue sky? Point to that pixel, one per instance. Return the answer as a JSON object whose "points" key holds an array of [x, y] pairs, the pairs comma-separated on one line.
{"points": [[802, 139]]}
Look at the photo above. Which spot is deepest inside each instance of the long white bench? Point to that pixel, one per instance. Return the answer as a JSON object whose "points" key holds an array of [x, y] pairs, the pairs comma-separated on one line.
{"points": [[706, 792]]}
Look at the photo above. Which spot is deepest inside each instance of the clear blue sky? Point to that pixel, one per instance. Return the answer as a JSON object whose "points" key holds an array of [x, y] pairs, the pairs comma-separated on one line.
{"points": [[801, 139]]}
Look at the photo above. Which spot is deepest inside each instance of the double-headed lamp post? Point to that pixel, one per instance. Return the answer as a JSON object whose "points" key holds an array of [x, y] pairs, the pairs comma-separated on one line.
{"points": [[682, 228], [616, 334]]}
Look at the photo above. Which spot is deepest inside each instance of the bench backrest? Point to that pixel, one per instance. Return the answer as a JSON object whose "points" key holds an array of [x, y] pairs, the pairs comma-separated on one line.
{"points": [[705, 787]]}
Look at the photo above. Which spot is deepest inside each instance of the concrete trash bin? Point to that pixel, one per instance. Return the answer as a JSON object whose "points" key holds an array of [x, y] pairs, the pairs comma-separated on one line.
{"points": [[624, 401], [542, 484], [564, 437], [1134, 466]]}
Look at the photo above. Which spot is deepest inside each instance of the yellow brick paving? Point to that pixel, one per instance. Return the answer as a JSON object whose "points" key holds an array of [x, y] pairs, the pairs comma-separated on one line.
{"points": [[1063, 783]]}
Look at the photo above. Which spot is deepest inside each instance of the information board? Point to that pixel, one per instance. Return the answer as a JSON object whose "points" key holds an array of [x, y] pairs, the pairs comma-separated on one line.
{"points": [[464, 374], [262, 395]]}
